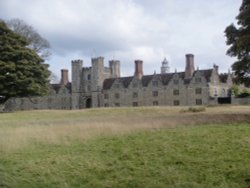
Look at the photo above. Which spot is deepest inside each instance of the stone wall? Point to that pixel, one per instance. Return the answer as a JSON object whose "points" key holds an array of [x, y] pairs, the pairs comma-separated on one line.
{"points": [[241, 101], [157, 94], [34, 103]]}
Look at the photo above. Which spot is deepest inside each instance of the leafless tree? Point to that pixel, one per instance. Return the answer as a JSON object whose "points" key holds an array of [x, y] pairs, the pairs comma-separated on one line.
{"points": [[36, 41]]}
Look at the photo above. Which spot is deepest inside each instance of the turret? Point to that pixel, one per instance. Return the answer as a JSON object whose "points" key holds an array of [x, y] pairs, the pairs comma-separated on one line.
{"points": [[164, 67], [97, 78], [76, 83], [76, 75], [114, 66]]}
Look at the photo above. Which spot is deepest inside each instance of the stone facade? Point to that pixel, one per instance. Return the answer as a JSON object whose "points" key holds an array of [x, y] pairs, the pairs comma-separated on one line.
{"points": [[100, 86]]}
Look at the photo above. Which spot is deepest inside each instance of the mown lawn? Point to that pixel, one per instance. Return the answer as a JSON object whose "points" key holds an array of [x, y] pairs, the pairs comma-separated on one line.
{"points": [[214, 155]]}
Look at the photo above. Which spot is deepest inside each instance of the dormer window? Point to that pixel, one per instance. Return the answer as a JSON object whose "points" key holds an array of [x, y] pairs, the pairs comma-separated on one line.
{"points": [[135, 95], [198, 80], [117, 86], [198, 91], [176, 82], [155, 83]]}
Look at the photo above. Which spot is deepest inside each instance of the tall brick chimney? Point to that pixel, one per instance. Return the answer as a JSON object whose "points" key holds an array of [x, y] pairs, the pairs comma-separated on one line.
{"points": [[189, 66], [138, 69], [64, 77]]}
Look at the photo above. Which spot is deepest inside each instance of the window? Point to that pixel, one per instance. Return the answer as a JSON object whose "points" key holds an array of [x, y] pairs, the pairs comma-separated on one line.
{"points": [[176, 92], [116, 86], [106, 96], [215, 92], [135, 103], [89, 77], [89, 88], [155, 93], [198, 102], [176, 82], [117, 95], [135, 95], [198, 91], [155, 103], [224, 92], [155, 83], [198, 80], [135, 85], [176, 103], [117, 104]]}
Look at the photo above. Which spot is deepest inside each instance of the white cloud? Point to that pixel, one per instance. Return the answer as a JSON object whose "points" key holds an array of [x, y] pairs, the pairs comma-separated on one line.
{"points": [[130, 29]]}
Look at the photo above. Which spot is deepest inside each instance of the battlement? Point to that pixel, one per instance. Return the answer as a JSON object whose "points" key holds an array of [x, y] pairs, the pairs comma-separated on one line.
{"points": [[77, 61]]}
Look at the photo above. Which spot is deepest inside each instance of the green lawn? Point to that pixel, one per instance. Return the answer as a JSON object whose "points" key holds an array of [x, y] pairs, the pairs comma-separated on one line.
{"points": [[214, 155]]}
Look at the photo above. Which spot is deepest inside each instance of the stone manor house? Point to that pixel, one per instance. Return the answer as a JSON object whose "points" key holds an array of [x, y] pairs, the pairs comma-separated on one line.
{"points": [[101, 86]]}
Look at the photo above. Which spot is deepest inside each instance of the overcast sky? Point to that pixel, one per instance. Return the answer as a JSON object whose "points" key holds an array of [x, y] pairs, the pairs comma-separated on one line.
{"points": [[130, 29]]}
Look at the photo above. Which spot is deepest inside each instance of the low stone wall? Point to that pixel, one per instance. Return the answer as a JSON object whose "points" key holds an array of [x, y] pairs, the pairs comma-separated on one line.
{"points": [[1, 108], [241, 101], [35, 103]]}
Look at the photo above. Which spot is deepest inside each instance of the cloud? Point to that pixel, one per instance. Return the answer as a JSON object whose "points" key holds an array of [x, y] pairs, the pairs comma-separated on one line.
{"points": [[130, 29]]}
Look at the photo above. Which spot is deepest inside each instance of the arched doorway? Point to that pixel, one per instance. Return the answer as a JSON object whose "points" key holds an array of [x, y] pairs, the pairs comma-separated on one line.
{"points": [[88, 103]]}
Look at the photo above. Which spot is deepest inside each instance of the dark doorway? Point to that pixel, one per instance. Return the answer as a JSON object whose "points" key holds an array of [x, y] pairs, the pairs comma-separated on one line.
{"points": [[88, 103], [224, 100]]}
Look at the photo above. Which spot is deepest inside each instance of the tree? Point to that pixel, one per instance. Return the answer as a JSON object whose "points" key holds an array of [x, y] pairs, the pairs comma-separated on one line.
{"points": [[53, 78], [239, 41], [35, 40], [22, 72]]}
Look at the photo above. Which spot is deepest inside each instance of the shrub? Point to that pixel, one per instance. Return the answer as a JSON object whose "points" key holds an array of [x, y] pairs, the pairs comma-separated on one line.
{"points": [[194, 109]]}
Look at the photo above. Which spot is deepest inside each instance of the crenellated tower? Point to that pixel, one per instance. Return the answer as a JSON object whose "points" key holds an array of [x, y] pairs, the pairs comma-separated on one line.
{"points": [[76, 75], [114, 66], [97, 78]]}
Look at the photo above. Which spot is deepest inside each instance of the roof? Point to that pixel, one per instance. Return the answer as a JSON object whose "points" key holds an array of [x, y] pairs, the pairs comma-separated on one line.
{"points": [[164, 78], [223, 77], [57, 87]]}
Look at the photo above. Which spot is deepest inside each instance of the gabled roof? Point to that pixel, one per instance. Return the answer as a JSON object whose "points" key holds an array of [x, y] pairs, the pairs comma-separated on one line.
{"points": [[164, 78], [126, 80], [57, 87], [147, 79], [207, 74], [223, 77]]}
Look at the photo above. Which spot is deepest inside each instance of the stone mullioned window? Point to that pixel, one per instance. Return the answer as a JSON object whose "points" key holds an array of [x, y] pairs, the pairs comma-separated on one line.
{"points": [[176, 92], [155, 93], [198, 91]]}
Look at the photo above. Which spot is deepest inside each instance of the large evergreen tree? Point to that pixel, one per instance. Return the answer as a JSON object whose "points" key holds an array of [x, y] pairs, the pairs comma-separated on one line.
{"points": [[239, 41], [22, 72]]}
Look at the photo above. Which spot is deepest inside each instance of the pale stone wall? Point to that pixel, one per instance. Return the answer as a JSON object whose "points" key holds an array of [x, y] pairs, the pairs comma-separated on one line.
{"points": [[241, 101], [35, 103], [164, 95], [60, 99], [176, 92]]}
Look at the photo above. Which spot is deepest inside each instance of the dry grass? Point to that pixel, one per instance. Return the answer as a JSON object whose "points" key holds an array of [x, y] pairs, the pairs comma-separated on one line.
{"points": [[24, 129], [92, 148]]}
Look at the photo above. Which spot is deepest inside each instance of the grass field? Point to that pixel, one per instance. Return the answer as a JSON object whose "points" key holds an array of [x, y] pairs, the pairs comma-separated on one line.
{"points": [[126, 147]]}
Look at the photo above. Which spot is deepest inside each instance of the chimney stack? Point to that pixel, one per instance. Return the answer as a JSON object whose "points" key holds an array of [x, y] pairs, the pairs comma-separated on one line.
{"points": [[64, 77], [189, 66], [138, 69]]}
